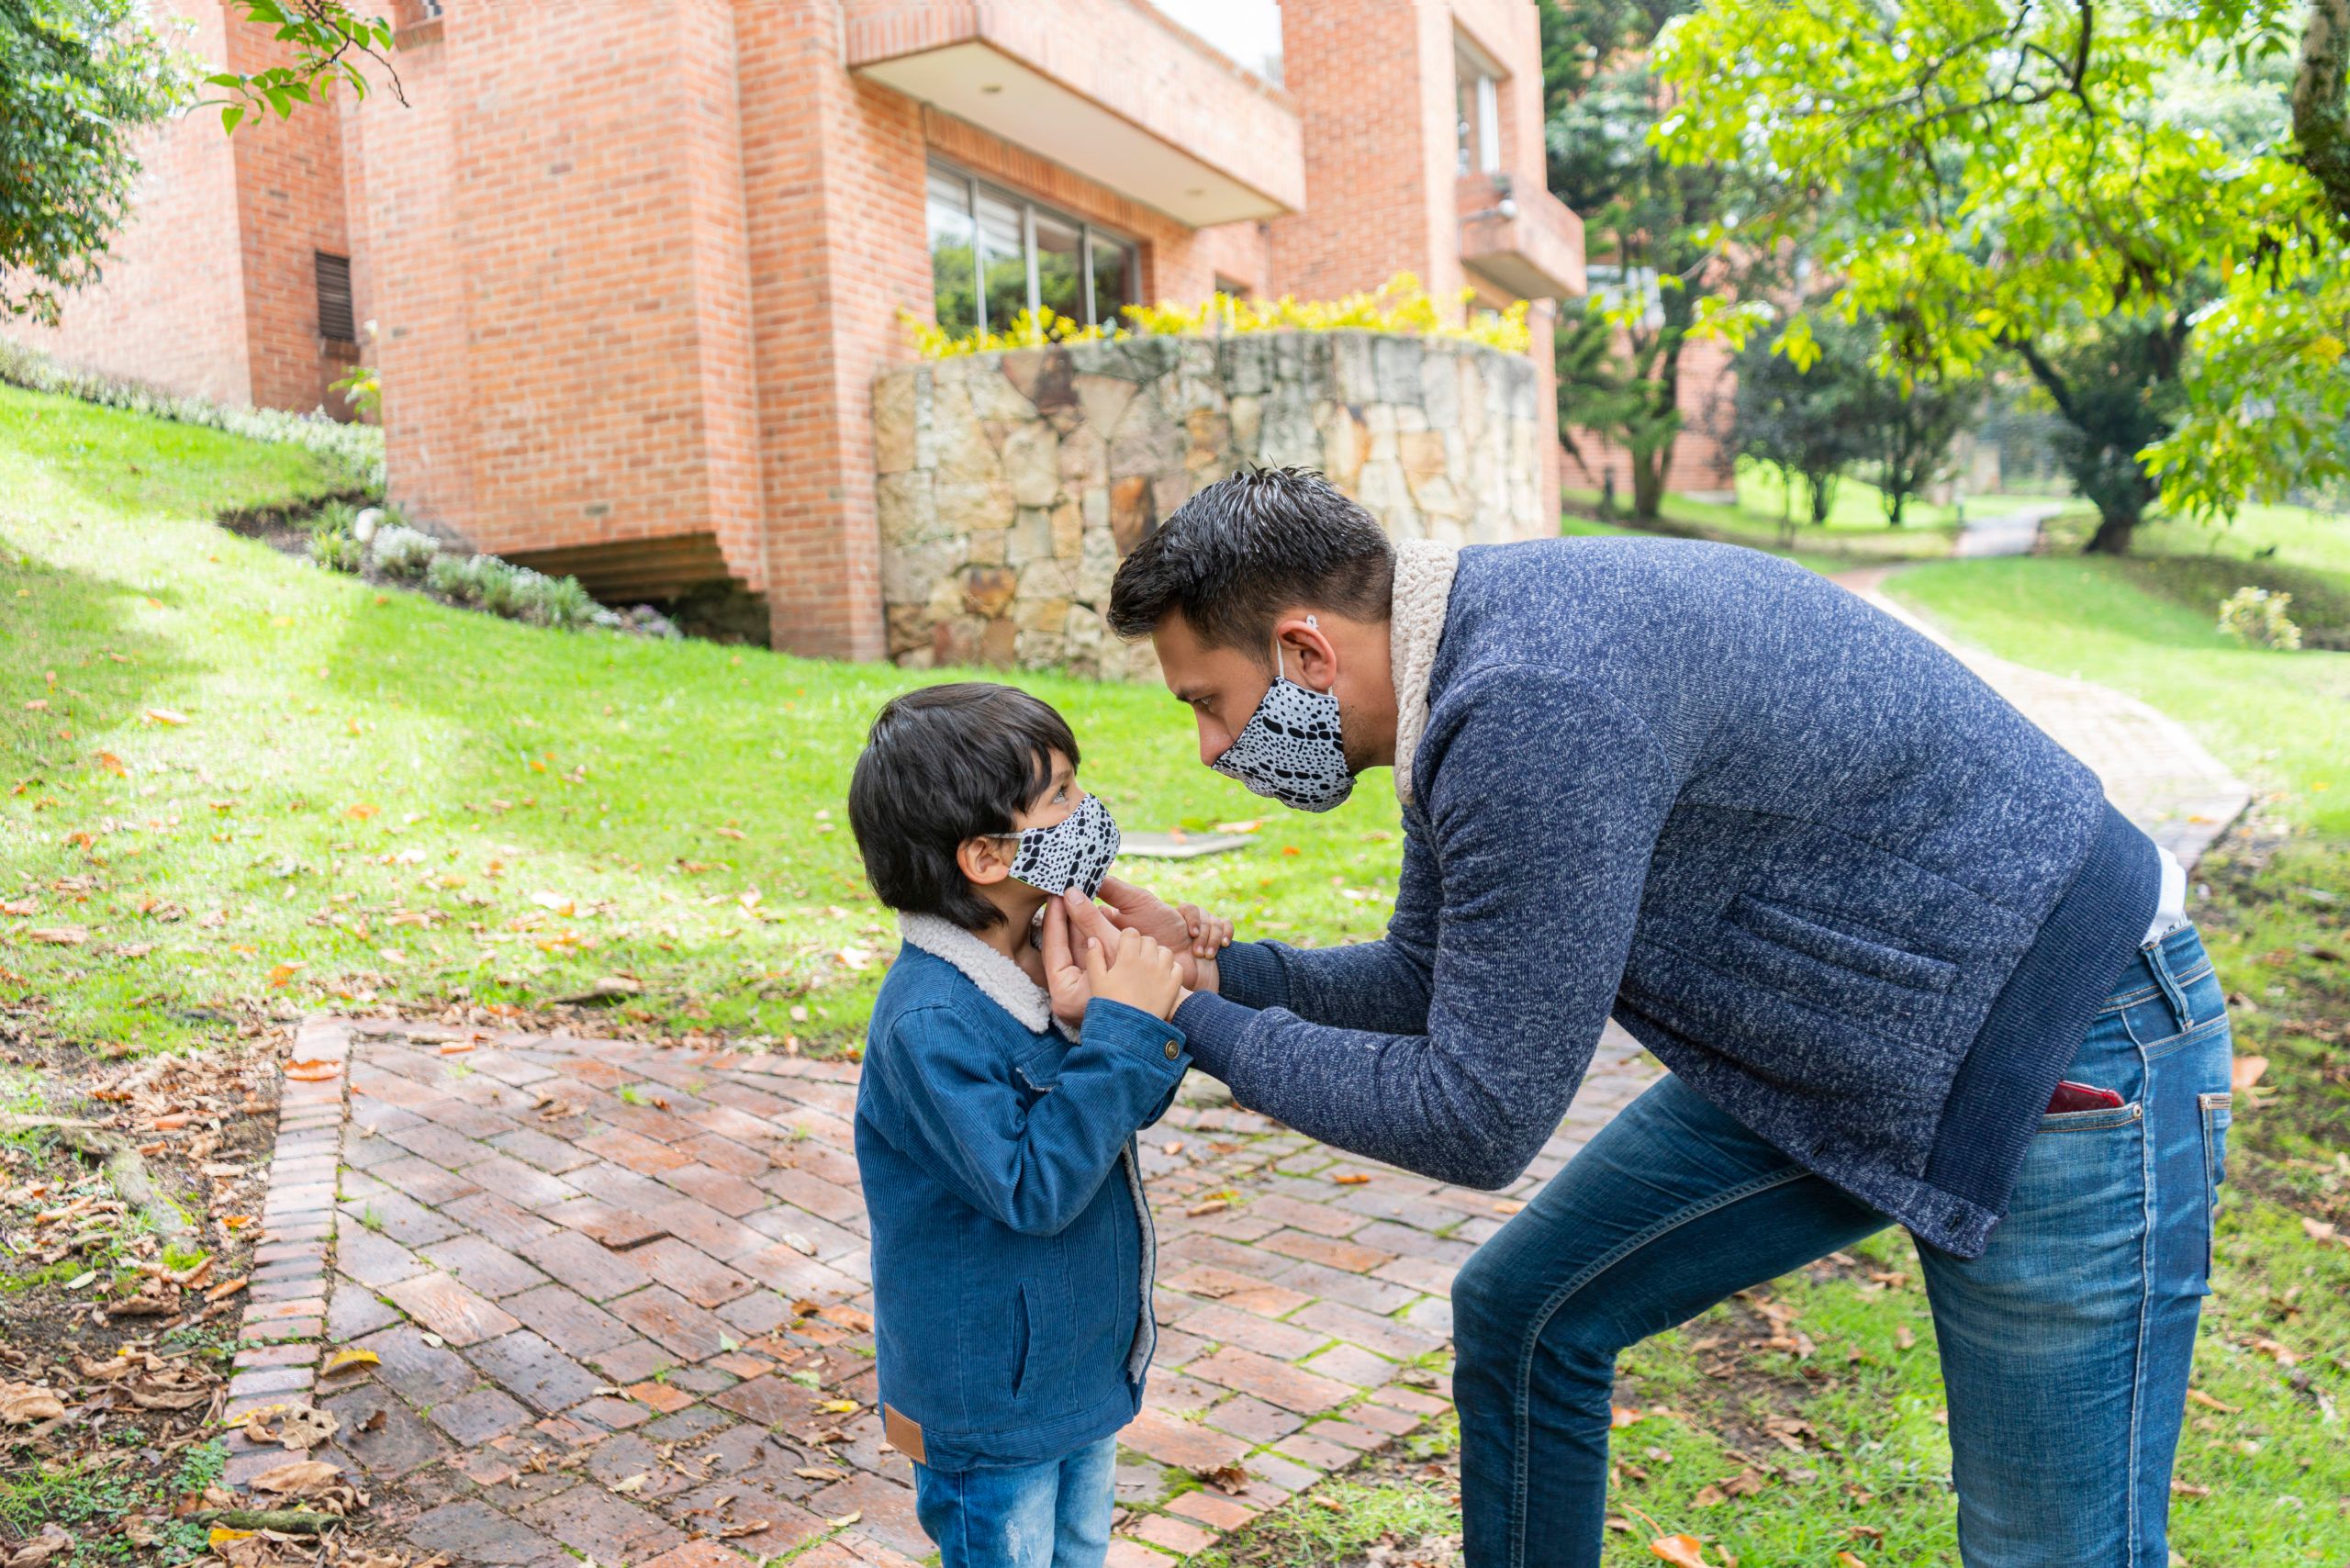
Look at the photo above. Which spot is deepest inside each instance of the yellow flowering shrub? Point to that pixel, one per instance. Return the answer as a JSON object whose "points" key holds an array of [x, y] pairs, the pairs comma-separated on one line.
{"points": [[1400, 304]]}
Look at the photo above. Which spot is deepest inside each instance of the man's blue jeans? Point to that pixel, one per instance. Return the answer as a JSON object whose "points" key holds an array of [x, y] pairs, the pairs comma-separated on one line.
{"points": [[2064, 1347], [1032, 1515]]}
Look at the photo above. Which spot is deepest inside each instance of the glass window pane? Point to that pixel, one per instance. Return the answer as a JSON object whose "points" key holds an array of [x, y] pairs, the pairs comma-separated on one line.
{"points": [[953, 285], [1060, 266], [1005, 259], [1114, 283]]}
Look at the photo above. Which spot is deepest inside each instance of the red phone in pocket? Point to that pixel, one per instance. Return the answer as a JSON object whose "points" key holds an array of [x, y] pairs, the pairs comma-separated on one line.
{"points": [[2072, 1096]]}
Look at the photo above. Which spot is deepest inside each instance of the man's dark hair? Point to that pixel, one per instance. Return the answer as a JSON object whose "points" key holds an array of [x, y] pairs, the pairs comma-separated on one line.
{"points": [[1248, 547], [944, 763]]}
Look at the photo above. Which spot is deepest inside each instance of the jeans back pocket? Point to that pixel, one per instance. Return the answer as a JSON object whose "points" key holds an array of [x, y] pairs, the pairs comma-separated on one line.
{"points": [[2216, 1110]]}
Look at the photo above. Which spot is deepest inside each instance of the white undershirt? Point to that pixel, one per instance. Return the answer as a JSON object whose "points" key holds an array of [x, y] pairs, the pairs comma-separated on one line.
{"points": [[2170, 911]]}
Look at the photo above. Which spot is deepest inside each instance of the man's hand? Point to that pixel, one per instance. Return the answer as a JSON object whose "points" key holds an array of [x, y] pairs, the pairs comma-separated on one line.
{"points": [[1194, 937], [1136, 972]]}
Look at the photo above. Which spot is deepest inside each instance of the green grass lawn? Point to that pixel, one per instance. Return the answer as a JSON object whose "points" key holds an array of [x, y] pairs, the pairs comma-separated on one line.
{"points": [[1856, 533], [244, 780]]}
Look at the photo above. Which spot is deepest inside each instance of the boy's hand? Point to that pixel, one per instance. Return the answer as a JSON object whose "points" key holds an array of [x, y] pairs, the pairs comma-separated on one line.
{"points": [[1064, 976], [1137, 971]]}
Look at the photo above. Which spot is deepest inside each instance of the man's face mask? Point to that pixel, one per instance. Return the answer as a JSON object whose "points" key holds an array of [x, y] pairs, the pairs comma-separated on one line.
{"points": [[1075, 852], [1290, 751]]}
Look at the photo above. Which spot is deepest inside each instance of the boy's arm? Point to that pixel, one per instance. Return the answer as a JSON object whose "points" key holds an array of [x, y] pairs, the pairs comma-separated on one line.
{"points": [[1033, 1166]]}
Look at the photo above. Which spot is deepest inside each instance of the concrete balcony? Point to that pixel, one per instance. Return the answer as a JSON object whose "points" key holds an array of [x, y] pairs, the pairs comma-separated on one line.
{"points": [[1519, 238], [1112, 89]]}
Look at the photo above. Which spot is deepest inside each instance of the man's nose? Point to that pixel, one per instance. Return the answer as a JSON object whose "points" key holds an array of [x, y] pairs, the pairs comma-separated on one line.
{"points": [[1213, 741]]}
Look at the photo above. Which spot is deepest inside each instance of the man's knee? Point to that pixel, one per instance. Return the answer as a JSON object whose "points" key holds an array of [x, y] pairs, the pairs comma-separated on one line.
{"points": [[1499, 1310]]}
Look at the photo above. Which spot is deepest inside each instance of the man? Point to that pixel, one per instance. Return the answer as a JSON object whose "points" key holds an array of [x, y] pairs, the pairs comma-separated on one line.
{"points": [[1906, 964]]}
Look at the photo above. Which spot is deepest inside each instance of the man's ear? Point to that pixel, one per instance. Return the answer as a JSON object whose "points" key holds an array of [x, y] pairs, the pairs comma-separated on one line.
{"points": [[1308, 656], [982, 860]]}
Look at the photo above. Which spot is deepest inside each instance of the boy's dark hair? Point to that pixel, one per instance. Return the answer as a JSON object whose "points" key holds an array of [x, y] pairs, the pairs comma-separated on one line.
{"points": [[1248, 547], [943, 764]]}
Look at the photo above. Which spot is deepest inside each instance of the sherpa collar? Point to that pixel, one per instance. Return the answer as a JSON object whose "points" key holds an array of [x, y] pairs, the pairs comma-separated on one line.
{"points": [[1424, 571], [1004, 982]]}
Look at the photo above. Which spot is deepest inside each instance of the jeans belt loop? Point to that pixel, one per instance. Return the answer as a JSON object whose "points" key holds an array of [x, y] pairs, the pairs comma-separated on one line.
{"points": [[2159, 962]]}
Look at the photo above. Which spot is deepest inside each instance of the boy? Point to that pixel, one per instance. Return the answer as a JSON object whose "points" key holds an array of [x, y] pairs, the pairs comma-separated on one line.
{"points": [[1011, 1244]]}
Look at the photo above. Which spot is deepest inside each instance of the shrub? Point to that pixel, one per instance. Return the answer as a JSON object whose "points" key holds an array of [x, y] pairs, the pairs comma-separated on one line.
{"points": [[559, 602], [1400, 304], [402, 553], [337, 552], [2255, 616], [358, 448], [495, 586], [335, 516]]}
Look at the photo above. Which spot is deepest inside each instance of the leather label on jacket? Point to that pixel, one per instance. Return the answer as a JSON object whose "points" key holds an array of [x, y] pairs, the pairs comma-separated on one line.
{"points": [[903, 1431]]}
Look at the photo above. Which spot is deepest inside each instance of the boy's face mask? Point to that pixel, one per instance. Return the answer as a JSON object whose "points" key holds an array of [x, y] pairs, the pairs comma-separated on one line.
{"points": [[1290, 749], [1075, 852]]}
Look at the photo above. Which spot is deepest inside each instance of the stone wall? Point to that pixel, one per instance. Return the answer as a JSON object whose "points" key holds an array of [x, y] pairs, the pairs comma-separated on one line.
{"points": [[1012, 484]]}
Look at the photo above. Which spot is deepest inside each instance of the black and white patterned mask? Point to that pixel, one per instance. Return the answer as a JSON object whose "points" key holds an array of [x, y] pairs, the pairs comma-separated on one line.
{"points": [[1075, 852], [1289, 750]]}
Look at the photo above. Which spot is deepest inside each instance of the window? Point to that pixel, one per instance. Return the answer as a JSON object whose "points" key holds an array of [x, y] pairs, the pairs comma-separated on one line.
{"points": [[993, 254], [335, 323], [1477, 88]]}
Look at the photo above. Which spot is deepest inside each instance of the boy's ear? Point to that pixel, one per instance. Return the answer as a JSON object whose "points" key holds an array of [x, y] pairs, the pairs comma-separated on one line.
{"points": [[983, 861]]}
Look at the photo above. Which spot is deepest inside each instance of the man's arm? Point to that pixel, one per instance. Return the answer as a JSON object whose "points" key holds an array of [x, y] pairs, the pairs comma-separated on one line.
{"points": [[1381, 985], [1547, 800]]}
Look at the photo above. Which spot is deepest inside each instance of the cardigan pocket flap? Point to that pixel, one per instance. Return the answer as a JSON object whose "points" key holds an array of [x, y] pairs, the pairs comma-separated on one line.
{"points": [[1843, 943]]}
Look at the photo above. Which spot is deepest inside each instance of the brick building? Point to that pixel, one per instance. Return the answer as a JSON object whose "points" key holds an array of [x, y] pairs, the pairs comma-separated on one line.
{"points": [[634, 264]]}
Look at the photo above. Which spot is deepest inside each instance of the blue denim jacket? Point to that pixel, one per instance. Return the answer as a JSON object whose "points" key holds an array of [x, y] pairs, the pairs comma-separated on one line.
{"points": [[1011, 1244]]}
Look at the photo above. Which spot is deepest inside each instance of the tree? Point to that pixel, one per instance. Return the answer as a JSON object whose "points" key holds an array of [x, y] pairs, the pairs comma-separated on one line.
{"points": [[1804, 419], [1648, 224], [2018, 179], [79, 78], [1908, 418]]}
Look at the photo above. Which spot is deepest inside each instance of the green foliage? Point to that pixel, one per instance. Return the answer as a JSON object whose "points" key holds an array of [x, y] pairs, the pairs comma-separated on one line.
{"points": [[79, 81], [327, 41], [1400, 304], [2258, 617], [1803, 413], [1651, 226], [337, 552], [402, 553], [356, 449], [1997, 177]]}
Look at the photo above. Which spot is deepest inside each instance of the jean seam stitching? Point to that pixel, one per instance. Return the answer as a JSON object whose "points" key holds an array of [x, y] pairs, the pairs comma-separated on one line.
{"points": [[1523, 1377], [2147, 1174]]}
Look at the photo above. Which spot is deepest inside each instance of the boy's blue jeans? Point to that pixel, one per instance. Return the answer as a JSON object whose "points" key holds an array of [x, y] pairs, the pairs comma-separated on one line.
{"points": [[1055, 1515], [2064, 1347]]}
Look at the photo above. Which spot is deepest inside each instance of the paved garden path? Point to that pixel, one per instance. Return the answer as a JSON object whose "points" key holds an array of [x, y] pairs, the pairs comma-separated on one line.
{"points": [[618, 1299]]}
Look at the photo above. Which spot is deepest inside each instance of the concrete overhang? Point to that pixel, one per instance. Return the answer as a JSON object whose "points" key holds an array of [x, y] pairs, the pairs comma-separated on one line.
{"points": [[1177, 129], [1524, 243]]}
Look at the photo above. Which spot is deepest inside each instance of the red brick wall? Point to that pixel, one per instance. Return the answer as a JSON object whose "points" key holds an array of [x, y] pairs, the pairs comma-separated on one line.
{"points": [[171, 310], [557, 224], [290, 207]]}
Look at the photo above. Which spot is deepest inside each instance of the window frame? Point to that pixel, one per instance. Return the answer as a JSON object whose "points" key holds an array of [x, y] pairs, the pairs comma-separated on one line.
{"points": [[1088, 232]]}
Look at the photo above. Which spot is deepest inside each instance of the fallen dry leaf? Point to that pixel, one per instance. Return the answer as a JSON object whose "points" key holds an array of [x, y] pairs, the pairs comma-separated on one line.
{"points": [[1681, 1550], [1848, 1559], [343, 1361], [2246, 1073], [59, 935], [2196, 1396], [1227, 1478], [298, 1478], [1619, 1416], [167, 716], [1351, 1178], [312, 1071], [22, 1404]]}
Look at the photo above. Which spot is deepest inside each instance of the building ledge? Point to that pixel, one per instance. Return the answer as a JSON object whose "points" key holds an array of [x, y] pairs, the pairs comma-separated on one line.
{"points": [[1110, 90], [1524, 241]]}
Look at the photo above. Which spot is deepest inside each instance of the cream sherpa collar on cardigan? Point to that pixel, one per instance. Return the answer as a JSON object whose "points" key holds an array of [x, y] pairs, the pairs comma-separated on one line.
{"points": [[1415, 624]]}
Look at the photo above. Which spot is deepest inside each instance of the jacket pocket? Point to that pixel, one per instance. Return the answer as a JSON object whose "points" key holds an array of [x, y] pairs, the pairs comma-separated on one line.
{"points": [[1020, 1340], [1829, 939]]}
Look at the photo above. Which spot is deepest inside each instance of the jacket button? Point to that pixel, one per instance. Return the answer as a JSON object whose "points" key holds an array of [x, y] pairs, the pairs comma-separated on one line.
{"points": [[1173, 1050]]}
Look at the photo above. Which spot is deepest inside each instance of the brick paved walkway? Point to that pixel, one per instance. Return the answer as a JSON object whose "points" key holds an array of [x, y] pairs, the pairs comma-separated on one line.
{"points": [[619, 1297]]}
